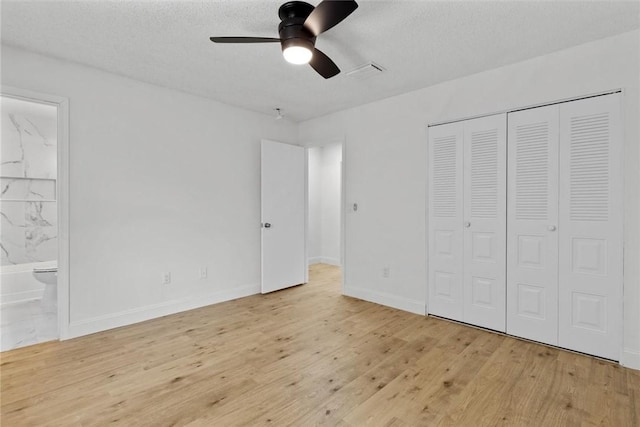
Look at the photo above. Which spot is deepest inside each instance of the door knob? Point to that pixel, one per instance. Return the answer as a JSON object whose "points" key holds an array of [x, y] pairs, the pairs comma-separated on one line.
{"points": [[267, 225], [467, 224], [551, 228]]}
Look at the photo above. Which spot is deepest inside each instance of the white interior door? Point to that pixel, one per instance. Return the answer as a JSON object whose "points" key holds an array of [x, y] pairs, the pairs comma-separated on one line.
{"points": [[283, 191], [445, 221], [484, 281], [532, 236], [590, 229]]}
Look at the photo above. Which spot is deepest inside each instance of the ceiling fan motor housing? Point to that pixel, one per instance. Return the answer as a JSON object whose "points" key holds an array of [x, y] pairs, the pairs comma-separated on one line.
{"points": [[292, 31]]}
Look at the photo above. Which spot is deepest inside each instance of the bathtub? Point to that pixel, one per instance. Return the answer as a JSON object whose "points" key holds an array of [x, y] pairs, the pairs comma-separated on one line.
{"points": [[17, 283]]}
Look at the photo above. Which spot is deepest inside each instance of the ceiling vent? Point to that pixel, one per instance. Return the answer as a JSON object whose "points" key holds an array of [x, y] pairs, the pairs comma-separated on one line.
{"points": [[366, 71]]}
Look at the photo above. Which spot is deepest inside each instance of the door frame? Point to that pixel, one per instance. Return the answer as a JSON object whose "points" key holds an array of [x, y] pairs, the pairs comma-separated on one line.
{"points": [[343, 201], [62, 196]]}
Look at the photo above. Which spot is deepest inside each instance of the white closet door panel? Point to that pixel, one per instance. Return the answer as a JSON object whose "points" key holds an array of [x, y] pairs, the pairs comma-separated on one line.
{"points": [[445, 219], [532, 236], [484, 282], [590, 231]]}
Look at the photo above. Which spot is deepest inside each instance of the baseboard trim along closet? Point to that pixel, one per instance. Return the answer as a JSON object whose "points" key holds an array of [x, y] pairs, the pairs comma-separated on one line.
{"points": [[141, 314], [389, 300]]}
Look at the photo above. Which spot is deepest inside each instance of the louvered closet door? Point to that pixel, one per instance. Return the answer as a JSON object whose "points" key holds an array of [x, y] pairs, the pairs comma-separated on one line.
{"points": [[484, 281], [445, 221], [532, 235], [590, 229]]}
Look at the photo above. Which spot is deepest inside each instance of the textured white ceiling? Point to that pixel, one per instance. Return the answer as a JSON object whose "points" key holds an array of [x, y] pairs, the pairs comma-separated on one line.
{"points": [[419, 43]]}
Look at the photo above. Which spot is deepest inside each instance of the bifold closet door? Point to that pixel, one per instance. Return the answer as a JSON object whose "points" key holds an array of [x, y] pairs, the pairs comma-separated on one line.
{"points": [[484, 281], [532, 235], [590, 229], [467, 221], [445, 221]]}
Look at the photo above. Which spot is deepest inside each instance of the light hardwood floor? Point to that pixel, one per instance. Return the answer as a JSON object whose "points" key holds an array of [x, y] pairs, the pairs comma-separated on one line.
{"points": [[309, 356]]}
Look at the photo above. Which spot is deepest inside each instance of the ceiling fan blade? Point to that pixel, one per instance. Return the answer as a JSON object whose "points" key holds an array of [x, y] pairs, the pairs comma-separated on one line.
{"points": [[244, 40], [328, 14], [323, 64]]}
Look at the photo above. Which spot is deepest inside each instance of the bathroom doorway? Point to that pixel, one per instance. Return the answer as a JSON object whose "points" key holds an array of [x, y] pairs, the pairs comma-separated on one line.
{"points": [[325, 225], [32, 233]]}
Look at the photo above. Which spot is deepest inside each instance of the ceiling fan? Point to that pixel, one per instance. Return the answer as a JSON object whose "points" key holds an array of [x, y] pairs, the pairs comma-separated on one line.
{"points": [[300, 24]]}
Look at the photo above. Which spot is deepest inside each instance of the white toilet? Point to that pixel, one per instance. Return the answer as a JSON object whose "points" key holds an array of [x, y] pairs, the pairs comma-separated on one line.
{"points": [[47, 273]]}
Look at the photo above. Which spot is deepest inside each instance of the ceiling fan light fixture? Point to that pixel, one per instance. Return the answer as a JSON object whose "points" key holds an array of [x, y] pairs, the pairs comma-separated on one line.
{"points": [[297, 55], [297, 51]]}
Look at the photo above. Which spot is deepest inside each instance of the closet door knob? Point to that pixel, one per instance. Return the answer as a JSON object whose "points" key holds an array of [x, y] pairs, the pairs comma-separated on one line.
{"points": [[551, 228], [467, 224]]}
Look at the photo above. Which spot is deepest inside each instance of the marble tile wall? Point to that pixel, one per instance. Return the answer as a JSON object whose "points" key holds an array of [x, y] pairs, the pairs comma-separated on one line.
{"points": [[28, 171], [29, 139], [29, 232], [28, 189]]}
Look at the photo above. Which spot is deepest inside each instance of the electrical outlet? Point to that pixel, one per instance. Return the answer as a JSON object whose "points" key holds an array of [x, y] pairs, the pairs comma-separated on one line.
{"points": [[166, 278], [386, 271], [203, 272]]}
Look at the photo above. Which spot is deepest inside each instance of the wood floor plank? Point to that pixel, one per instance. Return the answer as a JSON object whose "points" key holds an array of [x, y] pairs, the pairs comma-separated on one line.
{"points": [[502, 375], [419, 392], [309, 356], [336, 407]]}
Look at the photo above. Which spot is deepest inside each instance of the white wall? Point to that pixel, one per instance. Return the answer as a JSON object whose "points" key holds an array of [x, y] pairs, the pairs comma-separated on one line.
{"points": [[331, 197], [386, 164], [325, 165], [159, 181], [314, 192]]}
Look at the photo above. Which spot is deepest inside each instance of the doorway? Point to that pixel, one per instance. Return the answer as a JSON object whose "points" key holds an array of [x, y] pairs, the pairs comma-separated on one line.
{"points": [[325, 225], [33, 207]]}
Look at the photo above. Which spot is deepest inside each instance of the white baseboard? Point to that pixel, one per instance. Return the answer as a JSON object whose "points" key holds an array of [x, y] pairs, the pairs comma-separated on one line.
{"points": [[630, 359], [331, 261], [324, 260], [17, 297], [383, 298], [128, 317]]}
